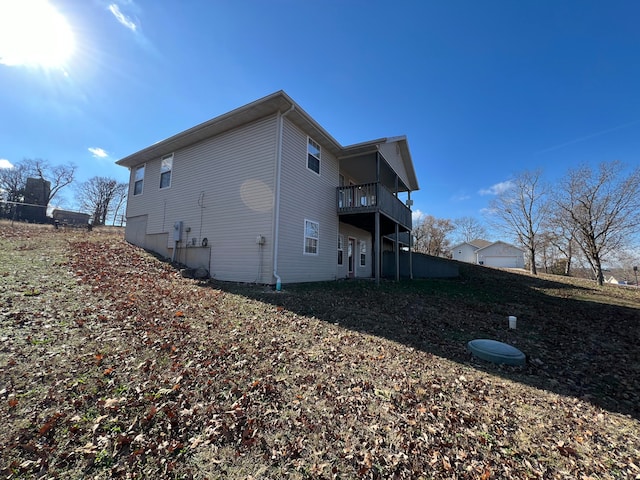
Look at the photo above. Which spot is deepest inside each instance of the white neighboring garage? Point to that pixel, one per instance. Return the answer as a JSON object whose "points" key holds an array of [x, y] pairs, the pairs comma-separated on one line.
{"points": [[500, 255], [466, 251]]}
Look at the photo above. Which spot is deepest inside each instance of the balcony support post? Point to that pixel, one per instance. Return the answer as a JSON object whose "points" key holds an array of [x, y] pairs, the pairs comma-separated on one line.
{"points": [[397, 253], [410, 241], [377, 248]]}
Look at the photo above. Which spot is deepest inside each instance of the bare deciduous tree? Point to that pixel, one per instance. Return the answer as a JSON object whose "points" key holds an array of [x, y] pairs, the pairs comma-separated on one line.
{"points": [[561, 235], [521, 210], [120, 200], [431, 235], [59, 176], [603, 206], [469, 228], [97, 194], [548, 251], [14, 180]]}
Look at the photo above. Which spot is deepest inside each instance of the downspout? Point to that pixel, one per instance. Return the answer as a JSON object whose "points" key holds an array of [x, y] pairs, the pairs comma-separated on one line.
{"points": [[397, 245], [276, 210], [378, 244], [175, 250], [410, 238]]}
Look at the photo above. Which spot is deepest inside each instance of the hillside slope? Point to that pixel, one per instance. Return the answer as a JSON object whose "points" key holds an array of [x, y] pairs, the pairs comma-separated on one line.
{"points": [[112, 365]]}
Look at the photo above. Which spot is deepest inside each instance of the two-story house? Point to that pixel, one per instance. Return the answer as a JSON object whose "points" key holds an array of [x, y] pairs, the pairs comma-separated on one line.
{"points": [[264, 194]]}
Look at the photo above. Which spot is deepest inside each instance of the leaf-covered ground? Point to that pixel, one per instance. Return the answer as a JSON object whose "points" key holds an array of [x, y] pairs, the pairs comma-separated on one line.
{"points": [[113, 366]]}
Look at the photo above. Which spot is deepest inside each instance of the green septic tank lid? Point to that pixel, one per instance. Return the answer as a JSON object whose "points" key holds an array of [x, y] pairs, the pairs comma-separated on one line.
{"points": [[496, 352]]}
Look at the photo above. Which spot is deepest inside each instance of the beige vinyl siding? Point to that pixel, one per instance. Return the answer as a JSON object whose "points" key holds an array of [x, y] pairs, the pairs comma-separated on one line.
{"points": [[391, 153], [306, 195], [222, 189], [347, 231], [138, 205], [465, 253]]}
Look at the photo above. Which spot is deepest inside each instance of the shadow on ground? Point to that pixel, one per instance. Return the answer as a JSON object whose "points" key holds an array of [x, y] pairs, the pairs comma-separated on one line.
{"points": [[580, 341]]}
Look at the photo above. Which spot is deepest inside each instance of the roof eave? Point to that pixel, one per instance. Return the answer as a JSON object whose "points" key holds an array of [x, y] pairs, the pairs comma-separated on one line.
{"points": [[263, 107], [260, 108]]}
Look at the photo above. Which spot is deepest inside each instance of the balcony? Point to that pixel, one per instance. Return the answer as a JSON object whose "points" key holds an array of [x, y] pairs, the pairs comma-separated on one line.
{"points": [[355, 202]]}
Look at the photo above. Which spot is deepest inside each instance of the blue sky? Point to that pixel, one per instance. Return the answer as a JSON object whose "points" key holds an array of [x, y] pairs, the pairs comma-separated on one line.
{"points": [[482, 89]]}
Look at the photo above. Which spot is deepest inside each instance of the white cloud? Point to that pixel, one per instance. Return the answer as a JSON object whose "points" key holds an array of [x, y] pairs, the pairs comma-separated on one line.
{"points": [[461, 197], [128, 13], [488, 211], [122, 18], [416, 215], [497, 189], [4, 163], [98, 152]]}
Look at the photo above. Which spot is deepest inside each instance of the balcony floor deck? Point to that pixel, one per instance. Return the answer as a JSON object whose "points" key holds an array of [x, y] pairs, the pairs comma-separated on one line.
{"points": [[367, 221]]}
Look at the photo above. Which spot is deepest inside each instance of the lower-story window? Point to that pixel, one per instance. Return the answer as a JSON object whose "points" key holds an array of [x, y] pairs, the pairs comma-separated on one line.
{"points": [[340, 249], [363, 253], [311, 237]]}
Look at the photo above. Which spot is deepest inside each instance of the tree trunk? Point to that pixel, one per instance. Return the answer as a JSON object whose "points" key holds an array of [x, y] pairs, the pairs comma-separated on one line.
{"points": [[598, 272], [96, 216], [532, 261], [567, 266]]}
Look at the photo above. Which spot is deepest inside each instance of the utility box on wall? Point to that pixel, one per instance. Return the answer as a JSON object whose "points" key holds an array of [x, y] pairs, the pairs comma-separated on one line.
{"points": [[177, 231]]}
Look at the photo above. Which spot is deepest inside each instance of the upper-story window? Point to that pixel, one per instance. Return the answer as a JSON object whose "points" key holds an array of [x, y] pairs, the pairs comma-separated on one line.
{"points": [[166, 166], [138, 180], [313, 156]]}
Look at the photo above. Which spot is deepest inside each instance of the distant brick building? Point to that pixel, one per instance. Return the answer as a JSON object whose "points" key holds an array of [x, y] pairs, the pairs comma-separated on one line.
{"points": [[36, 198]]}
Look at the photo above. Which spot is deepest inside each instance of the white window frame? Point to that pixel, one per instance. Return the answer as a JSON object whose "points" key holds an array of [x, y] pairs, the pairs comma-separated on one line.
{"points": [[164, 170], [311, 143], [313, 236], [340, 250], [136, 179], [363, 253]]}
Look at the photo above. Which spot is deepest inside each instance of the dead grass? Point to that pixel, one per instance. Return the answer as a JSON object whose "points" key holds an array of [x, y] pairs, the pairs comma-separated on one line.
{"points": [[112, 365]]}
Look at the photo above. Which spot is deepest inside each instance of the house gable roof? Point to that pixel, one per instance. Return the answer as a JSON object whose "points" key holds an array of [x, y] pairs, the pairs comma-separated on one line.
{"points": [[269, 105], [501, 243], [480, 243], [401, 147], [476, 244], [460, 244]]}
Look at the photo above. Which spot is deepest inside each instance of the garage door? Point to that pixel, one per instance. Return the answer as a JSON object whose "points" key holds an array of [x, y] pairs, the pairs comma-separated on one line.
{"points": [[501, 262]]}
